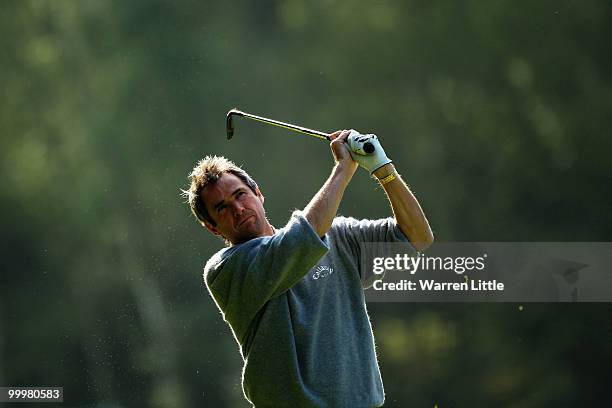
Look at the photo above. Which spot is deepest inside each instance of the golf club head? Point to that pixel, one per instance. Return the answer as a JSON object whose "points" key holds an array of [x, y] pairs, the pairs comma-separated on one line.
{"points": [[229, 127]]}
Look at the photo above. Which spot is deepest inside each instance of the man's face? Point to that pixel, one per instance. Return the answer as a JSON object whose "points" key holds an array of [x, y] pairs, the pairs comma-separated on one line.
{"points": [[237, 211]]}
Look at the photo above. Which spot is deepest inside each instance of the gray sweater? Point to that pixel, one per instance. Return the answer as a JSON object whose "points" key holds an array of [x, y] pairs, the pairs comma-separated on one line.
{"points": [[295, 304]]}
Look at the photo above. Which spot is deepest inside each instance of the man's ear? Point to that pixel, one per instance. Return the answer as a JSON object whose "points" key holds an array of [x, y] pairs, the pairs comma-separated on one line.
{"points": [[258, 193], [212, 229]]}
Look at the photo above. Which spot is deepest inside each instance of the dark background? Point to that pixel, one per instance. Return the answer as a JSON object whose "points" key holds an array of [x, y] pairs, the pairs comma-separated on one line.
{"points": [[497, 114]]}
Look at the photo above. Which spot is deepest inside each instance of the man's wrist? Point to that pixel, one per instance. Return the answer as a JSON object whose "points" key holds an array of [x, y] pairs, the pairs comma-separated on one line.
{"points": [[344, 169], [384, 171]]}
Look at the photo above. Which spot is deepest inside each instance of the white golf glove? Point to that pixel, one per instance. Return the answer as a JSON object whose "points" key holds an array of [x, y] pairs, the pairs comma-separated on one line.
{"points": [[361, 147]]}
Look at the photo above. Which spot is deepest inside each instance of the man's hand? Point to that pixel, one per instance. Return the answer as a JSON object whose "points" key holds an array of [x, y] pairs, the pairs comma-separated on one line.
{"points": [[372, 161], [341, 152]]}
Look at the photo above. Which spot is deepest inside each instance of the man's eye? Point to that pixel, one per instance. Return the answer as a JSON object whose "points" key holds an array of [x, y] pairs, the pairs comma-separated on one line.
{"points": [[221, 208]]}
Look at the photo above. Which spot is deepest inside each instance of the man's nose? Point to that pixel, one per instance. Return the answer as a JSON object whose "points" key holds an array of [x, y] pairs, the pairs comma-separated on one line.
{"points": [[237, 207]]}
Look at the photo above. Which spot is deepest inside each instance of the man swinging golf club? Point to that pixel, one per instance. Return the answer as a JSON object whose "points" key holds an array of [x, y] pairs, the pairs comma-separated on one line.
{"points": [[293, 296]]}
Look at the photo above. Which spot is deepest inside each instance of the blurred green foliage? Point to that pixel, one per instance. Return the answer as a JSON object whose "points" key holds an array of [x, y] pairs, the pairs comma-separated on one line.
{"points": [[498, 115]]}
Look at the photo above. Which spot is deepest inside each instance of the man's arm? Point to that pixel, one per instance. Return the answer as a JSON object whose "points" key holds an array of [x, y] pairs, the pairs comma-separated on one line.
{"points": [[406, 209], [322, 209]]}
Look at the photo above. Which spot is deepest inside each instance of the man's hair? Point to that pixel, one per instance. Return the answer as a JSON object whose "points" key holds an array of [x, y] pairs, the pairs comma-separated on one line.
{"points": [[207, 172]]}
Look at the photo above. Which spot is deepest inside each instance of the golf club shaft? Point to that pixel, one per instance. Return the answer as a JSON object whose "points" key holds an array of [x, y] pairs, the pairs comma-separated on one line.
{"points": [[296, 128]]}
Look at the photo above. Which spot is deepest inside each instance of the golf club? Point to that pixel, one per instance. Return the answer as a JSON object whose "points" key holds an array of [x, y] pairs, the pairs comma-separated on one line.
{"points": [[367, 147]]}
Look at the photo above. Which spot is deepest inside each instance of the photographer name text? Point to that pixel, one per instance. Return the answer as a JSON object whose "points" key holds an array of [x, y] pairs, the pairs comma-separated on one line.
{"points": [[478, 285]]}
